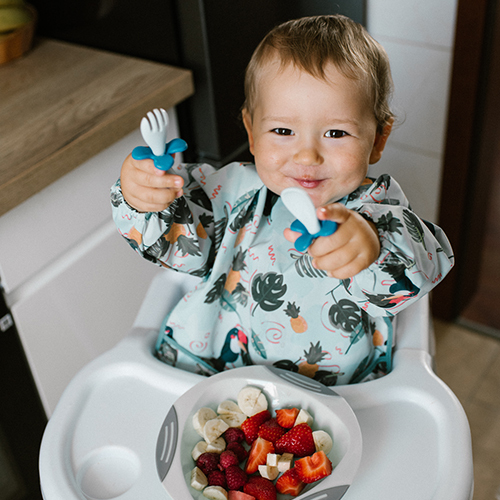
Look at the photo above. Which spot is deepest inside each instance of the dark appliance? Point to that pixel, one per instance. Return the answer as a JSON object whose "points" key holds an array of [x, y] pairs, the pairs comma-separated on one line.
{"points": [[22, 418], [213, 38]]}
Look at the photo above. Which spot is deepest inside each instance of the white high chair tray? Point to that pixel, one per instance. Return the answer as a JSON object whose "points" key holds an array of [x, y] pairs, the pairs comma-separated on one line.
{"points": [[101, 441]]}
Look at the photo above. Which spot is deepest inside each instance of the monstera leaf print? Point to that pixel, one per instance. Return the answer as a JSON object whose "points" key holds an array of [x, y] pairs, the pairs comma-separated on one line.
{"points": [[243, 217], [240, 294], [385, 180], [220, 229], [200, 198], [159, 248], [258, 345], [414, 227], [304, 267], [267, 290], [345, 314], [188, 246], [389, 223], [215, 293]]}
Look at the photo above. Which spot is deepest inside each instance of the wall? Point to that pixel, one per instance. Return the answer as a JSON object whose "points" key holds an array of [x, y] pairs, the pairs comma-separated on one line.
{"points": [[418, 37]]}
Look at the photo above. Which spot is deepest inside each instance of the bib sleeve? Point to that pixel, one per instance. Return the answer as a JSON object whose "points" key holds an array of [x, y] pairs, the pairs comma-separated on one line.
{"points": [[181, 237], [415, 254]]}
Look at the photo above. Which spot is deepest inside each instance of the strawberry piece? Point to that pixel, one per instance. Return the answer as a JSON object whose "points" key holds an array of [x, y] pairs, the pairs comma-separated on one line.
{"points": [[228, 458], [271, 430], [239, 495], [258, 454], [236, 478], [286, 417], [298, 440], [314, 468], [251, 425], [238, 450], [290, 483], [233, 434], [260, 488]]}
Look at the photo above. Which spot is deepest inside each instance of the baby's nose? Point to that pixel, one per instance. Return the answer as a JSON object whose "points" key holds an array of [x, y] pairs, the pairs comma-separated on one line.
{"points": [[308, 155]]}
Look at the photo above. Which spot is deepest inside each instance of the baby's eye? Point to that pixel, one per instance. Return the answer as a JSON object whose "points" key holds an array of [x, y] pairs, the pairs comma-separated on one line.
{"points": [[282, 131], [336, 134]]}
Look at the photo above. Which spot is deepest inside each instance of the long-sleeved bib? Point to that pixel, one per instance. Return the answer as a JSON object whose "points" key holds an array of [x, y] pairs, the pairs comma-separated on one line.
{"points": [[260, 301]]}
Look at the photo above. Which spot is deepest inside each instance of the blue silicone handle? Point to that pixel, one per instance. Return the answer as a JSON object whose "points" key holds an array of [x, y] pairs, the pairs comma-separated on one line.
{"points": [[328, 227], [165, 161]]}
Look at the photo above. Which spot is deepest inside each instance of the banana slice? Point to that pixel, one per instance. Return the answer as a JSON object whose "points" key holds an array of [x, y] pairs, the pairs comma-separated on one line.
{"points": [[233, 419], [269, 472], [200, 447], [228, 406], [322, 441], [198, 479], [201, 417], [304, 417], [213, 429], [215, 493], [272, 459], [218, 446], [251, 400], [285, 462]]}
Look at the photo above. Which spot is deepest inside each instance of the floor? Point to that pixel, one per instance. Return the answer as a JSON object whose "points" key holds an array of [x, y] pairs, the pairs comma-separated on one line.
{"points": [[469, 363]]}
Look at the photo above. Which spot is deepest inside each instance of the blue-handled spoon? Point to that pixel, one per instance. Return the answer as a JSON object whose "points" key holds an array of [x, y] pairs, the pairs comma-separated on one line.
{"points": [[298, 202]]}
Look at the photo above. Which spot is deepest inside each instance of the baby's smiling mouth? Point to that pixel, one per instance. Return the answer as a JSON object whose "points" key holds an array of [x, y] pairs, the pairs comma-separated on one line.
{"points": [[308, 183]]}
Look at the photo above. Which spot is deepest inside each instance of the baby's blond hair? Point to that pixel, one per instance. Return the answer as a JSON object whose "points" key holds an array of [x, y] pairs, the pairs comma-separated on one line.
{"points": [[311, 42]]}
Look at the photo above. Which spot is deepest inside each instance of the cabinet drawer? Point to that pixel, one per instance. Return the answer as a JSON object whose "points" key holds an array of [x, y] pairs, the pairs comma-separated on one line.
{"points": [[81, 310]]}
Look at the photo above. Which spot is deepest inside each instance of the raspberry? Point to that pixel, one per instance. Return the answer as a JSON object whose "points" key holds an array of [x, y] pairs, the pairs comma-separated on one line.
{"points": [[208, 462], [228, 458], [238, 449], [236, 478], [216, 478], [234, 435]]}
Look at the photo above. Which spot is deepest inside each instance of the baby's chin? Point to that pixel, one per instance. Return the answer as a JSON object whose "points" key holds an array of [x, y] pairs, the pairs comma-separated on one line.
{"points": [[322, 199]]}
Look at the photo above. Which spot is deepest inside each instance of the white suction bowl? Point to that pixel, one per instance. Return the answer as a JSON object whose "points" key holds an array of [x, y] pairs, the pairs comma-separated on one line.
{"points": [[330, 411]]}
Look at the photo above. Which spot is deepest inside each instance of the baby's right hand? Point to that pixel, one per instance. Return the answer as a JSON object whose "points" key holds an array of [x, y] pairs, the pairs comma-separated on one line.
{"points": [[146, 188]]}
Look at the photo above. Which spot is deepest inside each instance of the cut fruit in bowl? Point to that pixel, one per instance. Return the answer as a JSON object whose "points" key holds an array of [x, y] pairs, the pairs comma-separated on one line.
{"points": [[255, 391]]}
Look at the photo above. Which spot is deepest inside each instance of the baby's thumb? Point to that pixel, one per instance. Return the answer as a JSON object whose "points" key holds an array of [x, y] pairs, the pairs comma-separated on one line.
{"points": [[290, 235]]}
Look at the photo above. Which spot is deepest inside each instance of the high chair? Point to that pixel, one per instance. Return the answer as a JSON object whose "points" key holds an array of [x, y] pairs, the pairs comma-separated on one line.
{"points": [[100, 442]]}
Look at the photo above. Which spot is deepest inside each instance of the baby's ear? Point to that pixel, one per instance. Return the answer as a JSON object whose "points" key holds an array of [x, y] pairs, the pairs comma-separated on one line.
{"points": [[247, 121], [380, 141]]}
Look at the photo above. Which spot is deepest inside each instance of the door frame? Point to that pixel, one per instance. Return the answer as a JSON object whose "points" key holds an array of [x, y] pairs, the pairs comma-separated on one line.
{"points": [[464, 184]]}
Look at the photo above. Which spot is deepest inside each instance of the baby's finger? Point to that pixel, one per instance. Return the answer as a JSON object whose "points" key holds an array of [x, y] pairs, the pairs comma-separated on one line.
{"points": [[144, 173], [290, 235], [333, 211], [349, 269], [151, 200]]}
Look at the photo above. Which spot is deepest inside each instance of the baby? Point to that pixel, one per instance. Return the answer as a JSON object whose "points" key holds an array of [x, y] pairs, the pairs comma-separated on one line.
{"points": [[317, 115]]}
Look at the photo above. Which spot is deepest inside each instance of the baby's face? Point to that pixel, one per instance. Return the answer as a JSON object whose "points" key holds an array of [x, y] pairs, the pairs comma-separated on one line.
{"points": [[317, 134]]}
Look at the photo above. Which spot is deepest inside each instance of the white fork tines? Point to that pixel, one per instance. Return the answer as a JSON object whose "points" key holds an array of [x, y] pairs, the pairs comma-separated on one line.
{"points": [[154, 130]]}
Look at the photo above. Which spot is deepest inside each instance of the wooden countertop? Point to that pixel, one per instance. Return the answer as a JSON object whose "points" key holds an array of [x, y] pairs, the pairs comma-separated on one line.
{"points": [[62, 103]]}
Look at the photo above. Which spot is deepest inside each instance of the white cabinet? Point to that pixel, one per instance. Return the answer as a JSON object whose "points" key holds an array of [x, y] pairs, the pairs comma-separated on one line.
{"points": [[71, 281]]}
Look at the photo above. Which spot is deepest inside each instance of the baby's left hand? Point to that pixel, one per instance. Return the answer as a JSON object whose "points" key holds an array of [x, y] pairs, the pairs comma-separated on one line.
{"points": [[353, 247]]}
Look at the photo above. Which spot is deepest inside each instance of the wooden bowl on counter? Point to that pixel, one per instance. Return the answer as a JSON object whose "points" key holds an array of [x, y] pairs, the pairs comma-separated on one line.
{"points": [[18, 42]]}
